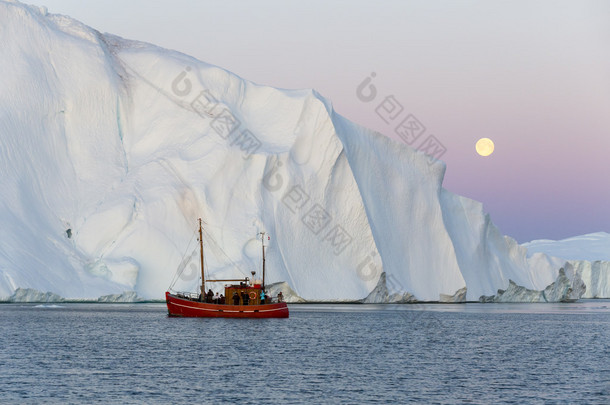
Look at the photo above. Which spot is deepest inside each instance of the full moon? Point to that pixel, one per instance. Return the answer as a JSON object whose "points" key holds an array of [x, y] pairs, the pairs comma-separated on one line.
{"points": [[484, 146]]}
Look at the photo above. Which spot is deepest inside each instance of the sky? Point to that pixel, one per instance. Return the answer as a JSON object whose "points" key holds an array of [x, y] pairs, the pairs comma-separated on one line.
{"points": [[533, 76]]}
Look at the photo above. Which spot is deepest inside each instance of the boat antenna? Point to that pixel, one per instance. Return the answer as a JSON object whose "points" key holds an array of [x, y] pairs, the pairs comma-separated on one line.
{"points": [[201, 251], [263, 243]]}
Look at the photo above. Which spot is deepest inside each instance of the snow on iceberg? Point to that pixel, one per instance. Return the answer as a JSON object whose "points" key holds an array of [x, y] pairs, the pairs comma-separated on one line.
{"points": [[110, 149], [590, 247]]}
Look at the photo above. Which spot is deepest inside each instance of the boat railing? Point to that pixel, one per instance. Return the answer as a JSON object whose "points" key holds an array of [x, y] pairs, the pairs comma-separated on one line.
{"points": [[195, 297], [188, 295]]}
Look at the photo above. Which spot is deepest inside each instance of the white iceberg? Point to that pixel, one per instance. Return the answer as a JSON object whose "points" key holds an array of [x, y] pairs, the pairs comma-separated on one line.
{"points": [[589, 255], [111, 149]]}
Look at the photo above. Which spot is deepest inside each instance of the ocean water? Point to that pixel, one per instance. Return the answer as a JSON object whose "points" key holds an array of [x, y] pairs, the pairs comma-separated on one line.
{"points": [[469, 353]]}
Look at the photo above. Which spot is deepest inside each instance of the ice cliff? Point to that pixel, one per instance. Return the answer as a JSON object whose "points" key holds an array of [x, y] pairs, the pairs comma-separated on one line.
{"points": [[110, 150], [588, 255]]}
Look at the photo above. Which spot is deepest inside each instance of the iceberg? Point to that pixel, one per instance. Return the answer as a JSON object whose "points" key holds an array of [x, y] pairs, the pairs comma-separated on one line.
{"points": [[595, 275], [563, 289], [111, 149], [127, 296], [31, 295], [591, 247], [588, 255]]}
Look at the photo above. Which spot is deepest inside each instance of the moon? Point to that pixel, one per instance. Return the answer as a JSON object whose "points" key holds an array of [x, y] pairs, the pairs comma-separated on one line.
{"points": [[484, 146]]}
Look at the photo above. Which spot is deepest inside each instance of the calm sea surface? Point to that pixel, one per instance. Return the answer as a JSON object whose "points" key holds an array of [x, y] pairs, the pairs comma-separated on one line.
{"points": [[469, 353]]}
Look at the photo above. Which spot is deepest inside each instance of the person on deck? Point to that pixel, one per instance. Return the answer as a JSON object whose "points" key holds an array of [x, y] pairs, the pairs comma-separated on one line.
{"points": [[280, 297], [245, 298], [262, 297], [235, 298], [221, 301], [217, 299], [210, 296]]}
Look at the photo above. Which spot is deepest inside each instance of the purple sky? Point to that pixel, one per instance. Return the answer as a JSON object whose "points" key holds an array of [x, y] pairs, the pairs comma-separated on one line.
{"points": [[534, 76]]}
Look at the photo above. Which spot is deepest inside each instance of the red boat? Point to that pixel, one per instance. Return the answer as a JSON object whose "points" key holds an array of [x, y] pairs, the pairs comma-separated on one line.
{"points": [[181, 306], [243, 300]]}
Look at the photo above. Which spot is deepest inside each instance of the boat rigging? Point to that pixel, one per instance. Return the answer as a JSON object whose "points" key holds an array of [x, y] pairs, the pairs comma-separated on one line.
{"points": [[248, 299]]}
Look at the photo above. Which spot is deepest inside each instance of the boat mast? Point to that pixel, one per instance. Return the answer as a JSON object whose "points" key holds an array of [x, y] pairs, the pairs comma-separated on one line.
{"points": [[263, 243], [201, 253]]}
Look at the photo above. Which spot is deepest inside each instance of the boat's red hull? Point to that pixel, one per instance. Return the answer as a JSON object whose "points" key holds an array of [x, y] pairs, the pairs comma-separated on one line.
{"points": [[177, 306]]}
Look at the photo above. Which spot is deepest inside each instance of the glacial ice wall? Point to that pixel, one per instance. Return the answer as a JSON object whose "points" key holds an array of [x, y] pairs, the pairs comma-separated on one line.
{"points": [[111, 149]]}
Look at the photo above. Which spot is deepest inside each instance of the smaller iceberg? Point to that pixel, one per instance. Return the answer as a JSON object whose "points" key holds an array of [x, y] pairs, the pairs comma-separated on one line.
{"points": [[568, 287]]}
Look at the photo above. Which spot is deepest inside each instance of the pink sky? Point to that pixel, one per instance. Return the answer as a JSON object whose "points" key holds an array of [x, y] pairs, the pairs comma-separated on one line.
{"points": [[534, 76]]}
